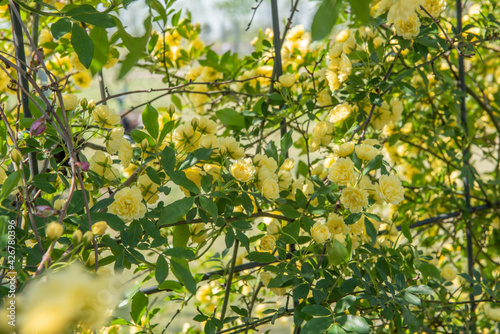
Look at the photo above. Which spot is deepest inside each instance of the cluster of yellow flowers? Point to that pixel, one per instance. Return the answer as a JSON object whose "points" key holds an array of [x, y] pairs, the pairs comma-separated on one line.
{"points": [[403, 14], [387, 114], [61, 300], [339, 66], [170, 44]]}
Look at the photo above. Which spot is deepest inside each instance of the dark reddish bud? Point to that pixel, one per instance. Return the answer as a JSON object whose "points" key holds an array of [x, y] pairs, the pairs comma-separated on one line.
{"points": [[44, 211], [38, 127], [83, 165]]}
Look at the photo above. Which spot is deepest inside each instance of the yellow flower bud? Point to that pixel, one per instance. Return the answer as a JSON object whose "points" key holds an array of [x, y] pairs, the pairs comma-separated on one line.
{"points": [[99, 228], [76, 238], [16, 155], [144, 144], [88, 237], [54, 230]]}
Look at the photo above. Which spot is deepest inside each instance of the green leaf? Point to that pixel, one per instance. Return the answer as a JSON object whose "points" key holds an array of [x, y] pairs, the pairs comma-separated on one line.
{"points": [[153, 175], [179, 253], [196, 156], [231, 117], [406, 231], [60, 28], [374, 164], [344, 304], [83, 45], [101, 49], [301, 291], [168, 159], [336, 329], [361, 10], [353, 323], [180, 179], [77, 202], [247, 203], [337, 253], [411, 298], [352, 218], [420, 289], [285, 144], [289, 211], [97, 19], [170, 285], [290, 233], [150, 121], [261, 257], [10, 183], [317, 325], [181, 236], [375, 99], [139, 306], [208, 205], [138, 136], [184, 275], [161, 271], [316, 310], [325, 18], [175, 211]]}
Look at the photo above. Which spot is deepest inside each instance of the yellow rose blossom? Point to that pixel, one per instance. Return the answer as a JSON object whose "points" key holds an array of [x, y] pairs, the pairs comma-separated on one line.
{"points": [[433, 7], [204, 125], [491, 312], [83, 79], [333, 80], [287, 80], [390, 189], [99, 228], [324, 98], [274, 227], [186, 138], [343, 35], [198, 233], [340, 113], [354, 199], [366, 152], [128, 204], [285, 179], [345, 149], [54, 230], [320, 232], [243, 170], [335, 51], [101, 164], [407, 27], [125, 153], [270, 189], [105, 116], [64, 299], [267, 243], [70, 102], [336, 225], [288, 164], [149, 189], [448, 272], [229, 146], [342, 171], [114, 140]]}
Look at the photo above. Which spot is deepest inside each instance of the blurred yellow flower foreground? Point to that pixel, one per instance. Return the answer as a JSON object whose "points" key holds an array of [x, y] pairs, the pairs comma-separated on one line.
{"points": [[59, 301]]}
